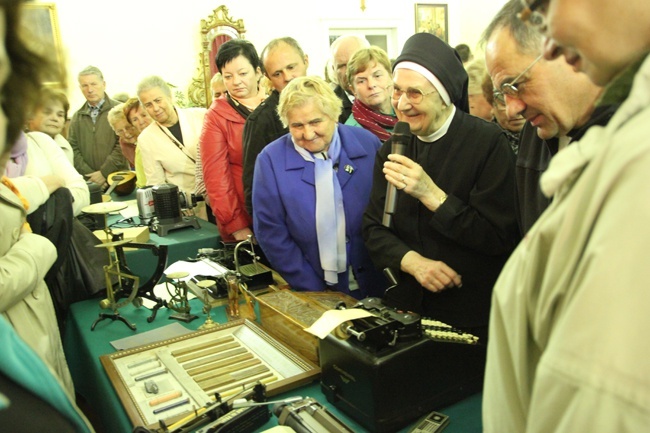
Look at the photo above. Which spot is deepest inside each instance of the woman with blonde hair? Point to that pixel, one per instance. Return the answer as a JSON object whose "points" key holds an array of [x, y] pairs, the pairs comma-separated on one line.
{"points": [[310, 189], [127, 133], [137, 117], [478, 104]]}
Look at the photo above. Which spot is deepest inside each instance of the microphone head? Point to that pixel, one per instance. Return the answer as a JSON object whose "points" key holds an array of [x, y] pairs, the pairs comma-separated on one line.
{"points": [[402, 128]]}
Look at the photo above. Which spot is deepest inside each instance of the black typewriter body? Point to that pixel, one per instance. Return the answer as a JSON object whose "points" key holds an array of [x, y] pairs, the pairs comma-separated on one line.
{"points": [[389, 371]]}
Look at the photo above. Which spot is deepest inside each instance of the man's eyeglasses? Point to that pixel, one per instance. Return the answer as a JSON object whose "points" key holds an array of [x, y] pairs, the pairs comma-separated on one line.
{"points": [[532, 16], [499, 100], [415, 96], [512, 88]]}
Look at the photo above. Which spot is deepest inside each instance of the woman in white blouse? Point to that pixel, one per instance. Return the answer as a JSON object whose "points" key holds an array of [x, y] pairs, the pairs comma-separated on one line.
{"points": [[50, 116], [48, 169]]}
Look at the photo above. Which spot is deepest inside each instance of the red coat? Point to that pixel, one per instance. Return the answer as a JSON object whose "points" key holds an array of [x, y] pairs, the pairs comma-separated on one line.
{"points": [[222, 157]]}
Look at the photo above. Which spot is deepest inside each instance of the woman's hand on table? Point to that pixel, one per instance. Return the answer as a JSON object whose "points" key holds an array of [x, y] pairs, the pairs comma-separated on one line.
{"points": [[242, 235]]}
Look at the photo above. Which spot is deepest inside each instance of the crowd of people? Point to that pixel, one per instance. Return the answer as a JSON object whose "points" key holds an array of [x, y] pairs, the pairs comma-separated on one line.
{"points": [[519, 216]]}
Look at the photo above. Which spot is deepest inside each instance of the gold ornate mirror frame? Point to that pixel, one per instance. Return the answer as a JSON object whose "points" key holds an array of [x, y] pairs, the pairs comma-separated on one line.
{"points": [[219, 23], [40, 24]]}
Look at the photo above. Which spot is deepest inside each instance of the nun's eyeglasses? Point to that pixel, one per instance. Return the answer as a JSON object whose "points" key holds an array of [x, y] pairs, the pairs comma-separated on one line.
{"points": [[415, 96], [512, 88], [532, 16]]}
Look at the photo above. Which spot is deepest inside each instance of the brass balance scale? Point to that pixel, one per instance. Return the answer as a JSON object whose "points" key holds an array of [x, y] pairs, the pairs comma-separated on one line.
{"points": [[112, 271]]}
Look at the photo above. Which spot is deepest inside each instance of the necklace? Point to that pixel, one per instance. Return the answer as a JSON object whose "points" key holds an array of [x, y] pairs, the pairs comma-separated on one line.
{"points": [[256, 100]]}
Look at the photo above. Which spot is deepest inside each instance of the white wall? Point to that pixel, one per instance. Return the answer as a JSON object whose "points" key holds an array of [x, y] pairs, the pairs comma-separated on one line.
{"points": [[130, 39]]}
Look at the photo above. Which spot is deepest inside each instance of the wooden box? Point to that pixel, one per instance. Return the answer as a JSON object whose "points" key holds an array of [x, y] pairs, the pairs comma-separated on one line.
{"points": [[284, 314], [195, 366]]}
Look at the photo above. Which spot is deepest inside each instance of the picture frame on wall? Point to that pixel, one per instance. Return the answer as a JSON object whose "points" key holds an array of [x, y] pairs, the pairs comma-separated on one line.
{"points": [[40, 22], [432, 18]]}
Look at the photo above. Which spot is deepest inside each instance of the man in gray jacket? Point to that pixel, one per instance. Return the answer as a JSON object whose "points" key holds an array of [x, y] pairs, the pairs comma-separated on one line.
{"points": [[95, 146]]}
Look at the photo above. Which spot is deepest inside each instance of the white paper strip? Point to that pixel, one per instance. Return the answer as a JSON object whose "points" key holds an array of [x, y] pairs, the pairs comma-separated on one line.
{"points": [[333, 318]]}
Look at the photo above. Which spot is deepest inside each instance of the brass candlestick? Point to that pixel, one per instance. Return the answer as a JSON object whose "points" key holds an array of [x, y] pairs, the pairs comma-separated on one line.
{"points": [[207, 308], [232, 308]]}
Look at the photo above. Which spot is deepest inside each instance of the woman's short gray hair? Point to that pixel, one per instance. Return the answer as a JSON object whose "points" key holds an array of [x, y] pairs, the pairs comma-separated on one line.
{"points": [[151, 82], [302, 90]]}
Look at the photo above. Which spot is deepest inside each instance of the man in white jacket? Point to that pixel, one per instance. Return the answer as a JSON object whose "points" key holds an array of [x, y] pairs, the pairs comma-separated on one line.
{"points": [[568, 348]]}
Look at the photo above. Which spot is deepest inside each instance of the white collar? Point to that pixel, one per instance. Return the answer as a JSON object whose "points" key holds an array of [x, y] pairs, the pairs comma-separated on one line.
{"points": [[437, 135]]}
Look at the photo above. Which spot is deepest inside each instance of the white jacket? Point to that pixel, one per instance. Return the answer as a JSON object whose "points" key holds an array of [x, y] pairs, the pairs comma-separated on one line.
{"points": [[568, 348], [163, 161], [45, 157], [25, 300], [65, 147]]}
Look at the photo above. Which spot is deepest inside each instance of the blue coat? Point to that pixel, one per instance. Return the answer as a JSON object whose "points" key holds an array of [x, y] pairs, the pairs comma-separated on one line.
{"points": [[284, 203]]}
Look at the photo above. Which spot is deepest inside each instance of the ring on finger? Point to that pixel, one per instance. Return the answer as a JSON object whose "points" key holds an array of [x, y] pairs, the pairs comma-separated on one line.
{"points": [[403, 178]]}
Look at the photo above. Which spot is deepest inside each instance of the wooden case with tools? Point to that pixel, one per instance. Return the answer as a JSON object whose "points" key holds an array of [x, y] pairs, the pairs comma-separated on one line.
{"points": [[172, 378]]}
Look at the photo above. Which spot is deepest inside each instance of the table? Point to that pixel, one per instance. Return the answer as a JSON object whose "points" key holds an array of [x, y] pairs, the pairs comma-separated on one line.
{"points": [[181, 244], [83, 348]]}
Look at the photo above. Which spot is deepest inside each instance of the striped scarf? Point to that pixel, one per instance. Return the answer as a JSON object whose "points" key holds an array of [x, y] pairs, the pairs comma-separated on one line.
{"points": [[373, 121]]}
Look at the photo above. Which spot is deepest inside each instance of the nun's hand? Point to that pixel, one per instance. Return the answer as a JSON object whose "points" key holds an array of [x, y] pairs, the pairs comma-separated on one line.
{"points": [[410, 177], [433, 275]]}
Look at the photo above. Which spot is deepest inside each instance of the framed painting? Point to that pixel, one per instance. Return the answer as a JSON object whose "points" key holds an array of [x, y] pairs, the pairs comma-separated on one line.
{"points": [[432, 18], [40, 22]]}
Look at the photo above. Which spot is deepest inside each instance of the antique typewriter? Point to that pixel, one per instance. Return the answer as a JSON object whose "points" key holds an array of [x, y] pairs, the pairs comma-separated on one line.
{"points": [[388, 369]]}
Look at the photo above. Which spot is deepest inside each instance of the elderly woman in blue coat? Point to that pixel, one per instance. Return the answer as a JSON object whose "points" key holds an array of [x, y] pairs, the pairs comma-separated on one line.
{"points": [[310, 189]]}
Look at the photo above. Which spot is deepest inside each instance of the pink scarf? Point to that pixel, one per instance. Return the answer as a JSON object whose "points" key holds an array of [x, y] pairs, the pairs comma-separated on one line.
{"points": [[17, 163], [373, 121]]}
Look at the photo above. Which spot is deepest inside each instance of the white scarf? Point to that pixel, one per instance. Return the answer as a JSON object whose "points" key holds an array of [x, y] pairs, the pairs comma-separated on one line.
{"points": [[330, 213]]}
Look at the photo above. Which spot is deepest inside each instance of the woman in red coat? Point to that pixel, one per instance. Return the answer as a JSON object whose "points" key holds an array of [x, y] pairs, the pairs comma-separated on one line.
{"points": [[221, 138]]}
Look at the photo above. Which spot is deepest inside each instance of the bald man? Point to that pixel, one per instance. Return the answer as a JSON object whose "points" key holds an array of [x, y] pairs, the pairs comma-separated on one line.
{"points": [[341, 51]]}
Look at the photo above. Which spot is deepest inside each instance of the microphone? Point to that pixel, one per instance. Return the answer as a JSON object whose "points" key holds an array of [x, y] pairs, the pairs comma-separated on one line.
{"points": [[399, 140]]}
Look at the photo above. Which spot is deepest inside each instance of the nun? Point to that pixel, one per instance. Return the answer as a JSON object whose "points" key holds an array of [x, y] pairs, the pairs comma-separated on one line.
{"points": [[454, 225]]}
